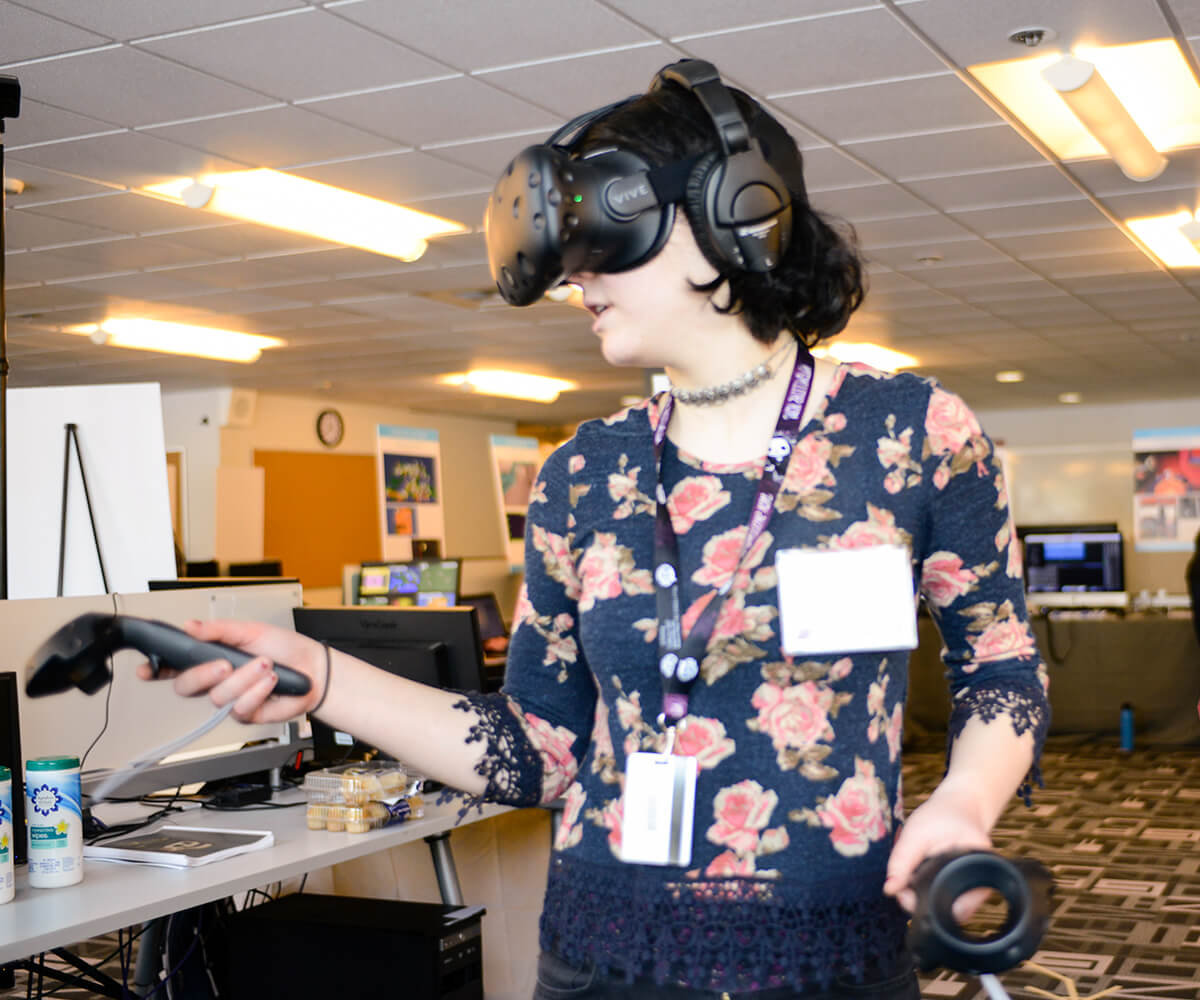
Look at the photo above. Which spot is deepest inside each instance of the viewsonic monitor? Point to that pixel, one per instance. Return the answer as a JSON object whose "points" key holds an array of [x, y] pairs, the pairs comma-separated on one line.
{"points": [[440, 647]]}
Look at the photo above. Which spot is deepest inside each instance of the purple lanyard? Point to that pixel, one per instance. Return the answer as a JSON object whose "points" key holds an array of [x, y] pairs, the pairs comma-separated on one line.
{"points": [[679, 657]]}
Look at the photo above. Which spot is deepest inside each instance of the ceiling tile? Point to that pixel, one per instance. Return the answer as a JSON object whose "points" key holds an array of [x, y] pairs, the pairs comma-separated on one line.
{"points": [[469, 109], [1099, 240], [141, 18], [400, 177], [870, 202], [132, 158], [855, 47], [27, 229], [893, 108], [276, 55], [978, 32], [546, 28], [1078, 214], [139, 88], [571, 86], [30, 35], [40, 122], [1033, 183], [991, 147], [275, 137]]}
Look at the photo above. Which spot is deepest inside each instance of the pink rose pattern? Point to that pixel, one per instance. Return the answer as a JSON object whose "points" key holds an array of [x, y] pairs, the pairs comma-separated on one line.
{"points": [[796, 707], [742, 813], [704, 739], [857, 816], [570, 830], [553, 744], [695, 499], [607, 570]]}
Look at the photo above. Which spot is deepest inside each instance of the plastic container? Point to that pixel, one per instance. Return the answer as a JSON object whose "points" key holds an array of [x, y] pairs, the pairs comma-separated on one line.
{"points": [[342, 817], [358, 783], [55, 821], [7, 881]]}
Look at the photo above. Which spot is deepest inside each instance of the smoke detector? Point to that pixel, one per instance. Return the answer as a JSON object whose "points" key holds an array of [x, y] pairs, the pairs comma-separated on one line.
{"points": [[1032, 37]]}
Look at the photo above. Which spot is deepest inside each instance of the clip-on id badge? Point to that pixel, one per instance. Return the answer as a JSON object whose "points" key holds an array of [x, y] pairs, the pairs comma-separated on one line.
{"points": [[660, 801]]}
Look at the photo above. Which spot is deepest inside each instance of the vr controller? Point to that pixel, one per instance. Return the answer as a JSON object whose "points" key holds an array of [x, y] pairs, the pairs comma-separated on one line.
{"points": [[76, 656], [935, 936]]}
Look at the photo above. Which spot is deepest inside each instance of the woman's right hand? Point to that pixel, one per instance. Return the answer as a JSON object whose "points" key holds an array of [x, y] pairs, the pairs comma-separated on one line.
{"points": [[250, 686]]}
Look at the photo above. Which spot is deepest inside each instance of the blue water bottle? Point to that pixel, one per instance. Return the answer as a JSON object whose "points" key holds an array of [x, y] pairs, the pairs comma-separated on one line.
{"points": [[1126, 728]]}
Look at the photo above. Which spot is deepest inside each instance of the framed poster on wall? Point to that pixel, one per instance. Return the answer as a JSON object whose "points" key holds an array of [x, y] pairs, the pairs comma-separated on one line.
{"points": [[1166, 489], [410, 488], [516, 461]]}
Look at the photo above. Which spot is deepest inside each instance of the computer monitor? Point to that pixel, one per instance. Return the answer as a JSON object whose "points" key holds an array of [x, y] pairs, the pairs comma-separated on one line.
{"points": [[436, 646], [263, 567], [1073, 558], [487, 608], [422, 583]]}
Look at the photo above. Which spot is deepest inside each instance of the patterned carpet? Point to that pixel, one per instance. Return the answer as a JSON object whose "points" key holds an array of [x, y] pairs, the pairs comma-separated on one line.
{"points": [[1120, 832]]}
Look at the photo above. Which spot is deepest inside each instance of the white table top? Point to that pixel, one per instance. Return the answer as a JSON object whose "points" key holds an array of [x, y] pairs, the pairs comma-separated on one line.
{"points": [[114, 895]]}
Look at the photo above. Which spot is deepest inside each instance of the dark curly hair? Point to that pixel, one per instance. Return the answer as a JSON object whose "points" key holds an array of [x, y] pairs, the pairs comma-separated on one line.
{"points": [[820, 280]]}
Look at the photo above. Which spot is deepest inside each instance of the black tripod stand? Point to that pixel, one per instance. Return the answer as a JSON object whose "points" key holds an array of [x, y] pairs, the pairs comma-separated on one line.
{"points": [[72, 434]]}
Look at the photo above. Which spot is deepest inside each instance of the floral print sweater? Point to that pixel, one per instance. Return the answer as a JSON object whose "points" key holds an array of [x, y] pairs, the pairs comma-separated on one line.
{"points": [[799, 790]]}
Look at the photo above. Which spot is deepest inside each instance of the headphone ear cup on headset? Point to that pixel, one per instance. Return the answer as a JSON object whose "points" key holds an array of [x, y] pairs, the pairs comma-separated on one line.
{"points": [[740, 211], [694, 197]]}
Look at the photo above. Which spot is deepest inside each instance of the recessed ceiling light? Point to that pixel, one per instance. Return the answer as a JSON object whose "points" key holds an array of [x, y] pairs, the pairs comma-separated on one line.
{"points": [[298, 205], [1070, 397], [512, 385], [178, 338], [883, 358], [1152, 79], [1010, 376]]}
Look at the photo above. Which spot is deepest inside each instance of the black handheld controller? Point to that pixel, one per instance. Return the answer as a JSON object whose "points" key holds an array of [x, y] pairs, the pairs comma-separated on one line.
{"points": [[935, 936], [77, 654]]}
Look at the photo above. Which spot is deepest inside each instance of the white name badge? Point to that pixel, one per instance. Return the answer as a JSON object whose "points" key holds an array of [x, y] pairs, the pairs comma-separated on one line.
{"points": [[846, 600], [660, 800]]}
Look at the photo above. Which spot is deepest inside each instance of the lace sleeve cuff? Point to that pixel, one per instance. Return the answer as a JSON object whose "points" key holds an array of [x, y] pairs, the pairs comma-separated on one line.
{"points": [[1027, 708], [510, 764]]}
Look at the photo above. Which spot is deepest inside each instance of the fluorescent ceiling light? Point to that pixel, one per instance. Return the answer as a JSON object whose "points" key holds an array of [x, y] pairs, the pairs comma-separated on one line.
{"points": [[1070, 397], [1101, 112], [179, 338], [1010, 376], [1164, 236], [883, 358], [303, 206], [1151, 80], [513, 385]]}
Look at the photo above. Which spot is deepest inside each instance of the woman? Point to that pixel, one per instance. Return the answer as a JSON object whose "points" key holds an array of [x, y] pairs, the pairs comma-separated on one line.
{"points": [[784, 762]]}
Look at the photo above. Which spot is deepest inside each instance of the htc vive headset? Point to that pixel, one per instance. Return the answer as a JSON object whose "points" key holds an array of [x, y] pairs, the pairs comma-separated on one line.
{"points": [[554, 211]]}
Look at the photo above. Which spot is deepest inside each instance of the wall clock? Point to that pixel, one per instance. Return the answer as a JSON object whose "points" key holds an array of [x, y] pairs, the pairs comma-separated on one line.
{"points": [[330, 428]]}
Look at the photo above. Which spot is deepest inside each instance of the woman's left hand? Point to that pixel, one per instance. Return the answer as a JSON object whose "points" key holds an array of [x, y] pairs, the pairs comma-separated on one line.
{"points": [[948, 820]]}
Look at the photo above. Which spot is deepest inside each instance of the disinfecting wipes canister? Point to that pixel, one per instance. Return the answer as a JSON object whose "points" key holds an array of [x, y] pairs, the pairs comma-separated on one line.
{"points": [[55, 821], [6, 836]]}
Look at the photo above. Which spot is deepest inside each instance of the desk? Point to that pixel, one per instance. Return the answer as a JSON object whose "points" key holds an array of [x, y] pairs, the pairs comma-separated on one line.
{"points": [[1151, 661], [114, 895]]}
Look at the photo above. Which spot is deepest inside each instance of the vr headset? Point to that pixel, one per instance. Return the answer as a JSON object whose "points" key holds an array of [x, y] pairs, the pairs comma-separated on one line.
{"points": [[555, 211]]}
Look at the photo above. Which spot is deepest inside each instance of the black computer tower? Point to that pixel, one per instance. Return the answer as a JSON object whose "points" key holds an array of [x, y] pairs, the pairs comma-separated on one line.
{"points": [[308, 945], [10, 757]]}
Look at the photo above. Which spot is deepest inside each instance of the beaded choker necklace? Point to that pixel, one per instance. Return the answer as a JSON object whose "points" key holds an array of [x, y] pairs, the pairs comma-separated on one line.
{"points": [[714, 395]]}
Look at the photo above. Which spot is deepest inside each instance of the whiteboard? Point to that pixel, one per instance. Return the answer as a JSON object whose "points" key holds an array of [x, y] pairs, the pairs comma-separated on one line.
{"points": [[120, 436]]}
